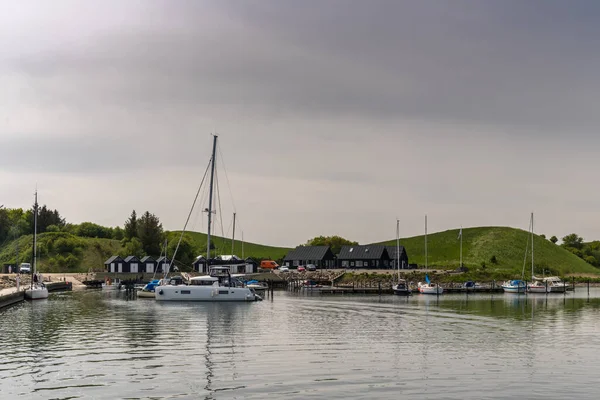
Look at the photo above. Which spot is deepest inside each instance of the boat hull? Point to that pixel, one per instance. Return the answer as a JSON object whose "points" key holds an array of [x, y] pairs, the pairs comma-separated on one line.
{"points": [[402, 292], [431, 290], [203, 293], [557, 288], [36, 293], [513, 289], [145, 294], [538, 289]]}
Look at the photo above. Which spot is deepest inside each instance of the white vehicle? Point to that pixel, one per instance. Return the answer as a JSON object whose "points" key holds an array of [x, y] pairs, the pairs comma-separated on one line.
{"points": [[283, 268], [25, 268]]}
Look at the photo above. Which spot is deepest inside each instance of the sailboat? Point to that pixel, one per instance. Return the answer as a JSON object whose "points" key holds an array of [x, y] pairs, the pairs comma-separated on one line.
{"points": [[428, 287], [401, 288], [219, 285], [518, 285], [37, 290], [536, 286]]}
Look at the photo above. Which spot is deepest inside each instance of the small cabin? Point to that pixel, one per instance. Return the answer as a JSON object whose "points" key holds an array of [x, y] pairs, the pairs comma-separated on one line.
{"points": [[132, 265], [200, 264], [114, 264], [148, 264], [162, 264]]}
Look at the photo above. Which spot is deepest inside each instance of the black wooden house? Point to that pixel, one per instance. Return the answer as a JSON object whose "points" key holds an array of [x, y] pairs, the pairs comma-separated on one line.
{"points": [[320, 256], [132, 264], [374, 256], [114, 264], [392, 252], [148, 264]]}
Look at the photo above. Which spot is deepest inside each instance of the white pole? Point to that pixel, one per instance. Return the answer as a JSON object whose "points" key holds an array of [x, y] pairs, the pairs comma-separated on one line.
{"points": [[461, 235], [426, 241], [532, 246], [398, 246]]}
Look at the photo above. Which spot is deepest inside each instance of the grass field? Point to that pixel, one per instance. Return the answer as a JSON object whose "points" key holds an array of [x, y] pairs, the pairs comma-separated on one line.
{"points": [[223, 246], [481, 244]]}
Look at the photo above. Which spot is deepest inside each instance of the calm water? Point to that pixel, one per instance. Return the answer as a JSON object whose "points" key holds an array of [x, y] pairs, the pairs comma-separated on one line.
{"points": [[98, 345]]}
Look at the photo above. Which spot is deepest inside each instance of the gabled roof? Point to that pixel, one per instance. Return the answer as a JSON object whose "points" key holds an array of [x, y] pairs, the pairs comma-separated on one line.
{"points": [[131, 258], [163, 258], [363, 252], [112, 259], [148, 259], [392, 251], [315, 253]]}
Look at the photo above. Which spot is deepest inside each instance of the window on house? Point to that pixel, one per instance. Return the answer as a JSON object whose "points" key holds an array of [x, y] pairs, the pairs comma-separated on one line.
{"points": [[344, 263], [359, 264]]}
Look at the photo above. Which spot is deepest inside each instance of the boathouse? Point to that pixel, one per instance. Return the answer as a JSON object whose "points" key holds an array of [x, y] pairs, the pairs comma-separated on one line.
{"points": [[392, 252], [162, 264], [148, 264], [133, 265], [114, 264], [374, 256], [320, 256], [200, 264]]}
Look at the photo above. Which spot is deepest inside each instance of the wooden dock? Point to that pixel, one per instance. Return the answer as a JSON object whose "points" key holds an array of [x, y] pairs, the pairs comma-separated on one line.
{"points": [[383, 290]]}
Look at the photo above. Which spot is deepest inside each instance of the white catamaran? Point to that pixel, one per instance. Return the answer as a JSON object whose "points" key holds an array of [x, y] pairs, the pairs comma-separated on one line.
{"points": [[37, 290], [219, 285]]}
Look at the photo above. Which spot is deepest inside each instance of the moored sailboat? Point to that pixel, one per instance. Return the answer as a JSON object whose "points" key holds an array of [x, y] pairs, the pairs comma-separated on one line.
{"points": [[401, 288], [37, 290], [219, 285], [428, 287]]}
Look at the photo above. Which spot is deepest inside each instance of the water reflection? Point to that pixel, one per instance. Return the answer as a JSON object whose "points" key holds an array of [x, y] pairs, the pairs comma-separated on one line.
{"points": [[100, 345]]}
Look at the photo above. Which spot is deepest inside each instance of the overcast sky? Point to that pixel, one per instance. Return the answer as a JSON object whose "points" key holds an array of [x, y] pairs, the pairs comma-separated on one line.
{"points": [[334, 117]]}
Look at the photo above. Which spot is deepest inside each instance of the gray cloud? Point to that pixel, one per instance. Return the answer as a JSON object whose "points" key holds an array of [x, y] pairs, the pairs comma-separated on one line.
{"points": [[474, 110]]}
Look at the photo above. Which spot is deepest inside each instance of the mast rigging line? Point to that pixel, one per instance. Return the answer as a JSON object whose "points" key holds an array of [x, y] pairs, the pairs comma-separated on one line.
{"points": [[188, 217]]}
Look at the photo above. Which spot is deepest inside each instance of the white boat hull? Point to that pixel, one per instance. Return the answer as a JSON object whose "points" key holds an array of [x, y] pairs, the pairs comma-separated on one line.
{"points": [[36, 293], [514, 289], [538, 289], [110, 287], [557, 288], [203, 293], [431, 289]]}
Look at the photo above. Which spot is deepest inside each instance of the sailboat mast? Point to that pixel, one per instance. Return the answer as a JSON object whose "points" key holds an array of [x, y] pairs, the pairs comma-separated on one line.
{"points": [[461, 263], [532, 246], [35, 213], [425, 241], [210, 195], [398, 246], [233, 235]]}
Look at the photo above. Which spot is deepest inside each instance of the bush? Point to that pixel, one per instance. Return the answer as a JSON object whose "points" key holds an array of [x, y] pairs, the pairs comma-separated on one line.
{"points": [[493, 260]]}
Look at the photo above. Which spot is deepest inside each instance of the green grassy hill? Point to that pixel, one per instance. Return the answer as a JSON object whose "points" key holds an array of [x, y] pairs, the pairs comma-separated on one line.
{"points": [[64, 252], [61, 252], [223, 246], [481, 244]]}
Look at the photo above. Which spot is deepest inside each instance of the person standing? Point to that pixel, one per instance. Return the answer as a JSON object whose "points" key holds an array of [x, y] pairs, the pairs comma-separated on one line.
{"points": [[18, 282]]}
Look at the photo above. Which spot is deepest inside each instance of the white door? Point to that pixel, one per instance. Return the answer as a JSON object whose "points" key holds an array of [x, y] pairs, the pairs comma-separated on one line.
{"points": [[149, 268], [112, 267], [120, 267], [134, 268]]}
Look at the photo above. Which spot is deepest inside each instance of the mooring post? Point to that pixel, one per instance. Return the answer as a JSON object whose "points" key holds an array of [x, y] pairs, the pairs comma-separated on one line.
{"points": [[588, 286], [380, 288], [573, 282]]}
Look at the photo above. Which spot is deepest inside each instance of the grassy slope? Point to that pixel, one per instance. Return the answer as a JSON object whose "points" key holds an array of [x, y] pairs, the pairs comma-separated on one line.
{"points": [[94, 251], [480, 244], [223, 246]]}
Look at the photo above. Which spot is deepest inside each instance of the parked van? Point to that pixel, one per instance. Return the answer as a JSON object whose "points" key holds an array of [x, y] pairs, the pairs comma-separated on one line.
{"points": [[269, 264], [25, 268]]}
